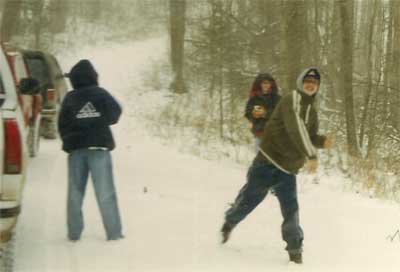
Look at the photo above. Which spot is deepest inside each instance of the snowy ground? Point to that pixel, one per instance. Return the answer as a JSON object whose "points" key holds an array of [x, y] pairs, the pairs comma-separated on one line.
{"points": [[172, 204]]}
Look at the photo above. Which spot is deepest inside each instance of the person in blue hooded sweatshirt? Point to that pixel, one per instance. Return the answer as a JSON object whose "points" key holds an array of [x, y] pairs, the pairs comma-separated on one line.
{"points": [[86, 114]]}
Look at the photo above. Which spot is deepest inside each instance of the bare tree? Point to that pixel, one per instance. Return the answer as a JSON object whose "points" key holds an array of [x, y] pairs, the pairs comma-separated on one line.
{"points": [[58, 10], [2, 3], [10, 21], [347, 22], [177, 33], [369, 62], [38, 21], [295, 41]]}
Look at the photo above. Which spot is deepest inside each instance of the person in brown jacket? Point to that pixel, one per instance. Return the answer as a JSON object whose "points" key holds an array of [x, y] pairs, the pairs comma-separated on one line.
{"points": [[291, 142]]}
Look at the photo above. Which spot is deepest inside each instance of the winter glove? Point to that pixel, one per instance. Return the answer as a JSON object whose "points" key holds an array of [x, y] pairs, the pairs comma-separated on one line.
{"points": [[259, 112], [312, 166]]}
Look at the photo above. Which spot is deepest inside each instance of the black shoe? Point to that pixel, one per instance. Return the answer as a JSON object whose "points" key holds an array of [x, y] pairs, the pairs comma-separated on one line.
{"points": [[226, 231], [296, 258]]}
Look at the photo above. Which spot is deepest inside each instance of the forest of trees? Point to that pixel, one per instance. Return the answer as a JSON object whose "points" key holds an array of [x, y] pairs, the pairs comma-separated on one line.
{"points": [[218, 46], [356, 44], [56, 24]]}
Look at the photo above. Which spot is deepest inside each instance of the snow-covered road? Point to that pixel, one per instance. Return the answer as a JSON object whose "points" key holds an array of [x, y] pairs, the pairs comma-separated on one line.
{"points": [[172, 204]]}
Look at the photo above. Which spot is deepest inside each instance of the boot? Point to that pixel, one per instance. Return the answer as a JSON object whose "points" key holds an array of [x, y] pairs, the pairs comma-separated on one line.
{"points": [[226, 231], [296, 258]]}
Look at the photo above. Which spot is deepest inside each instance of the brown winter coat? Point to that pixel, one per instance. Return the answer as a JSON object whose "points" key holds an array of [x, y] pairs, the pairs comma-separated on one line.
{"points": [[291, 135]]}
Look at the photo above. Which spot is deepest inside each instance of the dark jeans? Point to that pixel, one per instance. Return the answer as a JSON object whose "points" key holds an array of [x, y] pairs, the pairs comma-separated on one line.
{"points": [[262, 177]]}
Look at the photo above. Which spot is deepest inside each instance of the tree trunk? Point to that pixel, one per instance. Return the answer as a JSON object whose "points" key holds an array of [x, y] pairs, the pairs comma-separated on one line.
{"points": [[370, 67], [295, 14], [2, 5], [347, 22], [177, 34], [266, 37], [58, 15], [10, 19], [392, 80], [332, 65], [38, 21]]}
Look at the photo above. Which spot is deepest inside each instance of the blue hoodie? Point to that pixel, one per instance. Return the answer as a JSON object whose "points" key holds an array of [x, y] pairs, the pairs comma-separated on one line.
{"points": [[87, 112]]}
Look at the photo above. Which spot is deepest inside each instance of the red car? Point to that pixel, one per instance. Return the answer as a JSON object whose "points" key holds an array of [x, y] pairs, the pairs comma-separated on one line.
{"points": [[31, 105], [45, 68]]}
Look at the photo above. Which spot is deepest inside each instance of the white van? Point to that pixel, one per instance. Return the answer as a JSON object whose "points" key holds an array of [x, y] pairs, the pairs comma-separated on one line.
{"points": [[13, 154]]}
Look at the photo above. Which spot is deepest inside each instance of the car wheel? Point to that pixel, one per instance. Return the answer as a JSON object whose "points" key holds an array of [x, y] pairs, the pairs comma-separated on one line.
{"points": [[7, 255], [48, 129]]}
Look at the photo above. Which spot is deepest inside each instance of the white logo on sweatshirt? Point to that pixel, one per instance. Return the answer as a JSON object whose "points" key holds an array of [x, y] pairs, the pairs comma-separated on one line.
{"points": [[88, 111]]}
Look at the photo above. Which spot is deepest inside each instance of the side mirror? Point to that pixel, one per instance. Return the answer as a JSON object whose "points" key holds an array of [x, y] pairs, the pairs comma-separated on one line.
{"points": [[29, 86], [61, 76]]}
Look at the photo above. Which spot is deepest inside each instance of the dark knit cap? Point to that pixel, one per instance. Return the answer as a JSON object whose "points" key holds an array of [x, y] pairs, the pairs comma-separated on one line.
{"points": [[313, 73]]}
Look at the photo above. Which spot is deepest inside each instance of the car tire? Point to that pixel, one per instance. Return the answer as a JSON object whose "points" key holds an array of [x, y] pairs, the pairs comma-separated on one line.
{"points": [[48, 129], [7, 255]]}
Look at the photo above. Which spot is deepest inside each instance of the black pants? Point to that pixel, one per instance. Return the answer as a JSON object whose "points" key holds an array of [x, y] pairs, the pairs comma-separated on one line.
{"points": [[261, 178]]}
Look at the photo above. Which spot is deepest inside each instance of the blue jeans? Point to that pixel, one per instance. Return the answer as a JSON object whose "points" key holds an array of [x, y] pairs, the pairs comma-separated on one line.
{"points": [[261, 178], [99, 164]]}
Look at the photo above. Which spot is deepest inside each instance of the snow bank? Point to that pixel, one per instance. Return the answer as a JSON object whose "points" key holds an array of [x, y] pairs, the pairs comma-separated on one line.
{"points": [[172, 204]]}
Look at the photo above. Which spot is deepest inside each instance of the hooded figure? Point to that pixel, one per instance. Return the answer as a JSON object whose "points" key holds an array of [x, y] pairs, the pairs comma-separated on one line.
{"points": [[292, 138], [83, 75], [86, 115], [263, 100], [293, 128], [87, 111]]}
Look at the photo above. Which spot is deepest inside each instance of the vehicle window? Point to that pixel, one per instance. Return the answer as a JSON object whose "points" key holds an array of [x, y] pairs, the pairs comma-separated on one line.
{"points": [[38, 70]]}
